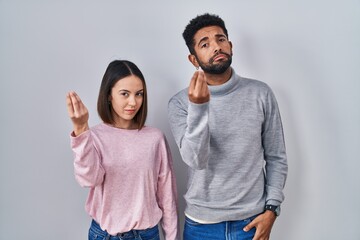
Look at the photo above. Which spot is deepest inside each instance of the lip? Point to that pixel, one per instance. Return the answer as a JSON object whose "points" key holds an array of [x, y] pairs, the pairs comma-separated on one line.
{"points": [[220, 57], [130, 111]]}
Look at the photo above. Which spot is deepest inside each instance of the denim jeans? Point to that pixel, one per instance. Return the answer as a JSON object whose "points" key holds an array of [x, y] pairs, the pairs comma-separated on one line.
{"points": [[96, 233], [230, 230]]}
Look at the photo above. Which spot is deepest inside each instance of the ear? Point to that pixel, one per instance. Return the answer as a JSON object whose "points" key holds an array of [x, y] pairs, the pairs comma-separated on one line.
{"points": [[193, 60], [231, 46]]}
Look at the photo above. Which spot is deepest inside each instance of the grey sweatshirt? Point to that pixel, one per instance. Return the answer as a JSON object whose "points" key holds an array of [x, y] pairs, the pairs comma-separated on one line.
{"points": [[234, 148]]}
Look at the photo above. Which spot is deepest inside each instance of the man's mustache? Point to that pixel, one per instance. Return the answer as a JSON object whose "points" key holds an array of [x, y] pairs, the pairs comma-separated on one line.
{"points": [[223, 53]]}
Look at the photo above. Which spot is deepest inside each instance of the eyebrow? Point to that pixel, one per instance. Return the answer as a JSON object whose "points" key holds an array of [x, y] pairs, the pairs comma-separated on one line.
{"points": [[207, 38], [203, 39], [124, 90]]}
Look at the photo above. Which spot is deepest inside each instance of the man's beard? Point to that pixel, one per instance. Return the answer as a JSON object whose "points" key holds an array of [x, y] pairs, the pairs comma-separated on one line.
{"points": [[218, 68]]}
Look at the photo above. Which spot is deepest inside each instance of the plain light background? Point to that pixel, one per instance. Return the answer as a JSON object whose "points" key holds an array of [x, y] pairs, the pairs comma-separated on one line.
{"points": [[307, 51]]}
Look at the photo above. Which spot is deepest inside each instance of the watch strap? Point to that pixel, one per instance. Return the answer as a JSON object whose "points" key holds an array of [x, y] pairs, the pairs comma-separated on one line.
{"points": [[272, 208]]}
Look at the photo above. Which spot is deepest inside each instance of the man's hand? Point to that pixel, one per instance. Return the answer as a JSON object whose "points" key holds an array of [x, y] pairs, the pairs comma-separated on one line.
{"points": [[198, 89], [78, 113], [263, 224]]}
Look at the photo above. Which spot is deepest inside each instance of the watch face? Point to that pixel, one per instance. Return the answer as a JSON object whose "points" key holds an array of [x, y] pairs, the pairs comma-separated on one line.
{"points": [[277, 211]]}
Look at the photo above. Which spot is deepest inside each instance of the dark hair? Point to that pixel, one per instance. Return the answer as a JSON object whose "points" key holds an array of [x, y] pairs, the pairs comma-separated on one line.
{"points": [[116, 71], [199, 22]]}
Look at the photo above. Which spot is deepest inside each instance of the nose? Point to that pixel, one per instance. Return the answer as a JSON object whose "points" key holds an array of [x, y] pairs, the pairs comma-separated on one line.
{"points": [[132, 101], [217, 47]]}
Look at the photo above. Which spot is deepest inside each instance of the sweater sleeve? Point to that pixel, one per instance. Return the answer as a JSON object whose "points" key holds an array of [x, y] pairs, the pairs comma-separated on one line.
{"points": [[190, 128], [87, 160], [274, 152], [167, 193]]}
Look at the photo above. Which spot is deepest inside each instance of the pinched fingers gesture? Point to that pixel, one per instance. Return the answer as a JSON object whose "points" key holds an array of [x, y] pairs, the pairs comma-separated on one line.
{"points": [[78, 113], [198, 88]]}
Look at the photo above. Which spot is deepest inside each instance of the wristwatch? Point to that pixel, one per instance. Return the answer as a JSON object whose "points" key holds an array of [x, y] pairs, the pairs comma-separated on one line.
{"points": [[273, 208]]}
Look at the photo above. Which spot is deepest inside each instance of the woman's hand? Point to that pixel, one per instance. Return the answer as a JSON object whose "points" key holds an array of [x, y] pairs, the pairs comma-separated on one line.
{"points": [[78, 113]]}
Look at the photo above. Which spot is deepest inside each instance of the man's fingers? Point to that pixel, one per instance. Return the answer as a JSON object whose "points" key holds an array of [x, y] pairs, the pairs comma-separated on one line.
{"points": [[193, 81], [249, 226], [202, 88], [201, 84], [198, 89], [263, 226], [256, 236]]}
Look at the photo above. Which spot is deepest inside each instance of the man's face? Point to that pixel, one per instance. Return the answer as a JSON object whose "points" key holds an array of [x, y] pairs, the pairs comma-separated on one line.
{"points": [[213, 51]]}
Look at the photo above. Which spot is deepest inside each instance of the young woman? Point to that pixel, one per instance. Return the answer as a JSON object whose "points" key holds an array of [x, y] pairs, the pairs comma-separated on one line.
{"points": [[126, 165]]}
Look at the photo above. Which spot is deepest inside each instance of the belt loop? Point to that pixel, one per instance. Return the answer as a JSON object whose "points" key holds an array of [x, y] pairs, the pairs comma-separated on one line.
{"points": [[136, 234], [120, 236]]}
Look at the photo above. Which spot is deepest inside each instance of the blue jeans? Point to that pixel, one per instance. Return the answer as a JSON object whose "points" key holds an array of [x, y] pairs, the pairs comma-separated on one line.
{"points": [[230, 230], [96, 233]]}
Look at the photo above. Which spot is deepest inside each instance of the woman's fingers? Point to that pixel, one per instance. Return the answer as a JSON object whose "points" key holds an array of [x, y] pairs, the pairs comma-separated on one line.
{"points": [[78, 113], [69, 105], [77, 110]]}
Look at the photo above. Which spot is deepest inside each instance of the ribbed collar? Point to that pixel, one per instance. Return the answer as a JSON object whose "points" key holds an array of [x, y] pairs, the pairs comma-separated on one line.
{"points": [[225, 88]]}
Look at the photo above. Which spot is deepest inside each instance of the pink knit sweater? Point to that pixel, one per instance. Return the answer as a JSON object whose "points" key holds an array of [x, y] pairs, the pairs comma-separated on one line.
{"points": [[130, 176]]}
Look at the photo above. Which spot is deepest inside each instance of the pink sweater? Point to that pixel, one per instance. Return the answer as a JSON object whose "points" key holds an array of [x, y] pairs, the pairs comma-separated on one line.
{"points": [[130, 176]]}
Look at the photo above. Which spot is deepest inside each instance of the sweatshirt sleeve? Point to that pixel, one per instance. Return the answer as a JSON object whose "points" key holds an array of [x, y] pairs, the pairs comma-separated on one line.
{"points": [[87, 160], [274, 152], [167, 193], [190, 128]]}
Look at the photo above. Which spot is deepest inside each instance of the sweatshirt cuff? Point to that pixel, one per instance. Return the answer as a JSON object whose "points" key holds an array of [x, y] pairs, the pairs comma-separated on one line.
{"points": [[78, 139], [196, 111], [273, 202]]}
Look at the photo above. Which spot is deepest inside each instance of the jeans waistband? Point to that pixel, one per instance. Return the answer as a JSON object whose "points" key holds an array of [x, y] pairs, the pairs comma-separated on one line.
{"points": [[95, 227]]}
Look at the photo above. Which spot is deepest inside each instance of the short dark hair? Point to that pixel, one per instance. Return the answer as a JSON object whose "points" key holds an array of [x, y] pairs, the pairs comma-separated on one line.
{"points": [[199, 22], [116, 71]]}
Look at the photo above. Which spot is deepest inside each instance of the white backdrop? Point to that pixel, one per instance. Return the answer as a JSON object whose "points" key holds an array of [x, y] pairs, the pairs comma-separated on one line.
{"points": [[307, 51]]}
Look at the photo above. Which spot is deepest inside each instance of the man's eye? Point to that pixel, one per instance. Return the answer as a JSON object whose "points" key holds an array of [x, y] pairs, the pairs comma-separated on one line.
{"points": [[204, 45]]}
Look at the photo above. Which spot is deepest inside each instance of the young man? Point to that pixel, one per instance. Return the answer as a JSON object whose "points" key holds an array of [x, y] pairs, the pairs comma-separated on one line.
{"points": [[229, 133]]}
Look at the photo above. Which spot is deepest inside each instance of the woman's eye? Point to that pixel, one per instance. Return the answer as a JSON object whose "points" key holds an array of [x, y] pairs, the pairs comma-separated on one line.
{"points": [[140, 94], [125, 94]]}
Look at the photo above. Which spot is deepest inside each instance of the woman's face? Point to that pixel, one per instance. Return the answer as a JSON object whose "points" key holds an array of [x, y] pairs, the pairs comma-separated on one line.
{"points": [[126, 99]]}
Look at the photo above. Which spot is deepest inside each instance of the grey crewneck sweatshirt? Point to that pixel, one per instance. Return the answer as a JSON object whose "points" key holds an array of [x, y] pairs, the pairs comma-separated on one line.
{"points": [[234, 148]]}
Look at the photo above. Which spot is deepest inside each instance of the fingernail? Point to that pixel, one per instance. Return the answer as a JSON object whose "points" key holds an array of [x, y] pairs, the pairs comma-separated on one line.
{"points": [[245, 229]]}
